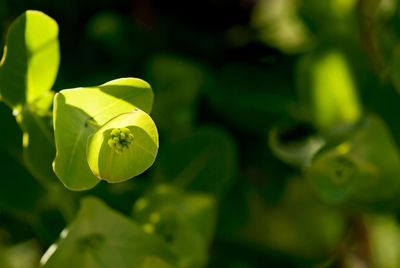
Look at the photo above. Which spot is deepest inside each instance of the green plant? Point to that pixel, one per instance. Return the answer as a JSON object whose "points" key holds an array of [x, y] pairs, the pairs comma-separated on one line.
{"points": [[278, 130], [83, 117], [97, 133]]}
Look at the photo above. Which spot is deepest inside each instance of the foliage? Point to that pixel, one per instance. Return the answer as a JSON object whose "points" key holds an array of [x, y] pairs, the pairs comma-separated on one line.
{"points": [[272, 139]]}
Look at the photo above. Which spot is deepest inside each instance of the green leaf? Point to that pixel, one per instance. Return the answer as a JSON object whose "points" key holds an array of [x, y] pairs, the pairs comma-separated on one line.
{"points": [[186, 221], [330, 92], [101, 237], [362, 170], [203, 161], [38, 137], [134, 151], [31, 58], [79, 112]]}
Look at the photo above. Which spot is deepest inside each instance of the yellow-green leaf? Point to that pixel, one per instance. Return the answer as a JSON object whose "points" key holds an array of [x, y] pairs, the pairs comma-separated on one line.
{"points": [[124, 147], [79, 112], [31, 58]]}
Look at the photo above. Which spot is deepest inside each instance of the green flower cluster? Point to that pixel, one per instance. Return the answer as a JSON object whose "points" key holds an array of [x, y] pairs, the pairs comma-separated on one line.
{"points": [[120, 138]]}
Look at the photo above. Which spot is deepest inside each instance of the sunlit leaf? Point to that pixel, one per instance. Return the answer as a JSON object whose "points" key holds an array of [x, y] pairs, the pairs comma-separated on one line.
{"points": [[80, 112], [30, 62], [124, 147]]}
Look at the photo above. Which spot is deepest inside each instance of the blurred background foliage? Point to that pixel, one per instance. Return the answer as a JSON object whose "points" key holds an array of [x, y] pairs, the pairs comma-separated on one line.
{"points": [[279, 137]]}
